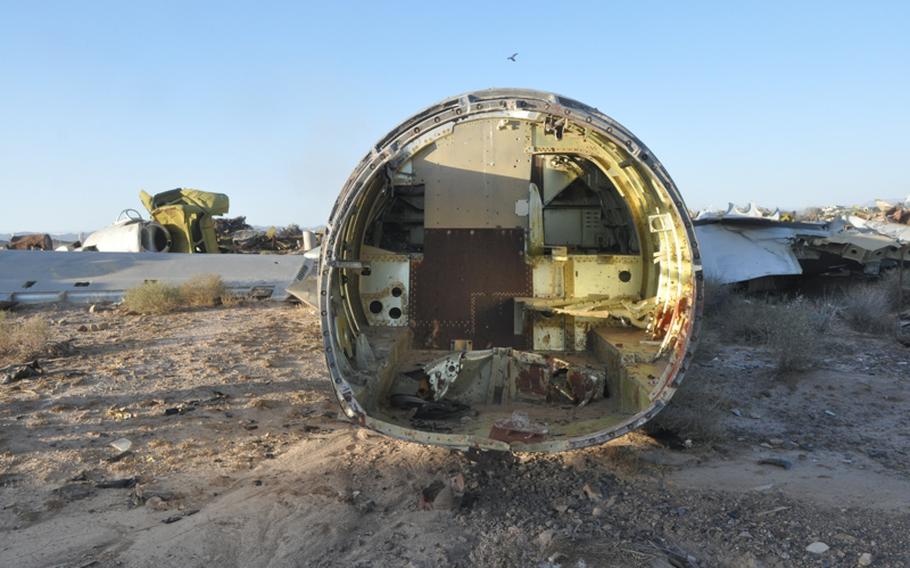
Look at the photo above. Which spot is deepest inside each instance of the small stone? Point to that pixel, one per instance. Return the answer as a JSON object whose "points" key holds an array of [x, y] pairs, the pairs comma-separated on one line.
{"points": [[592, 493], [82, 328], [92, 308], [844, 537], [445, 499], [597, 512], [156, 504], [775, 441], [545, 538], [779, 462], [737, 412], [865, 559], [817, 547], [122, 445]]}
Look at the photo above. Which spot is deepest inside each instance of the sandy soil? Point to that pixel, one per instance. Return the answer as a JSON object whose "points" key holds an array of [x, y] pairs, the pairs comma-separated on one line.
{"points": [[238, 458]]}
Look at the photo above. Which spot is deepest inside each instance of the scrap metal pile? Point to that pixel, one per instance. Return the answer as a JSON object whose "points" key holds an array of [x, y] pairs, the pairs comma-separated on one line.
{"points": [[759, 247], [180, 220], [235, 235], [131, 251]]}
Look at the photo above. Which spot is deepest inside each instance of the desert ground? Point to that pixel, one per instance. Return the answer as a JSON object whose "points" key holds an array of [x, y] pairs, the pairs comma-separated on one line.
{"points": [[238, 457]]}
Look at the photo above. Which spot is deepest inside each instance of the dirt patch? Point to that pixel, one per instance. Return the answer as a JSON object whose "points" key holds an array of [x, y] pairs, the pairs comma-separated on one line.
{"points": [[237, 457]]}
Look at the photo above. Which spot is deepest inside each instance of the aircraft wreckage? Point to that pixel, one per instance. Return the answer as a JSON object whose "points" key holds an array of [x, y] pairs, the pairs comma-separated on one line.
{"points": [[512, 270]]}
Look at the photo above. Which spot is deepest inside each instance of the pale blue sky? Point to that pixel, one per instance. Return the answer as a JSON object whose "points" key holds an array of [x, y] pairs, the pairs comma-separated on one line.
{"points": [[273, 103]]}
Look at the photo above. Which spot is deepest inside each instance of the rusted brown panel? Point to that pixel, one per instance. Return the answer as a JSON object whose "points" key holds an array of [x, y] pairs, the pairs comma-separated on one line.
{"points": [[504, 434], [31, 242], [582, 386], [518, 428], [464, 286], [533, 381]]}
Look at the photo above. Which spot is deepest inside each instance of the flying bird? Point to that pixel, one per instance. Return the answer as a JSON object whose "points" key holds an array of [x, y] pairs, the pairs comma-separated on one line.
{"points": [[512, 57]]}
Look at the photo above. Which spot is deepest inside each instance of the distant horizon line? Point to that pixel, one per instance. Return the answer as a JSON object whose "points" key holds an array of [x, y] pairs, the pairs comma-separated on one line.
{"points": [[867, 203]]}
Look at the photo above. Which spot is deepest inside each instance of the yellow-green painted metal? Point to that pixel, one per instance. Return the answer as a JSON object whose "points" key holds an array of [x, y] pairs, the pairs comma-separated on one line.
{"points": [[187, 216]]}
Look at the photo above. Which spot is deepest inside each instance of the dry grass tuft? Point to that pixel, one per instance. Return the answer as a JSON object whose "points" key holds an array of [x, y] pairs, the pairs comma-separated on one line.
{"points": [[717, 296], [870, 308], [797, 339], [23, 340], [231, 299], [793, 328], [152, 298], [697, 409], [203, 291], [160, 298]]}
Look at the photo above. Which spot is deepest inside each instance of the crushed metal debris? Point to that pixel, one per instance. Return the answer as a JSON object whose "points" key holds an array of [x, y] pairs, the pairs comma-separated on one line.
{"points": [[742, 245]]}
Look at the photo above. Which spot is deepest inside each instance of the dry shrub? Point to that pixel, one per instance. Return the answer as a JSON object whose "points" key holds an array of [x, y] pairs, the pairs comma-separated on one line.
{"points": [[870, 308], [206, 290], [152, 298], [792, 328], [744, 319], [797, 339], [159, 298], [231, 299], [23, 339], [717, 296], [697, 409]]}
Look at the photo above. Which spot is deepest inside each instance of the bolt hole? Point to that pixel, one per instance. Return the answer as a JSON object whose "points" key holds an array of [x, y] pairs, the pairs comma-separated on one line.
{"points": [[396, 291], [395, 313], [375, 307], [625, 275]]}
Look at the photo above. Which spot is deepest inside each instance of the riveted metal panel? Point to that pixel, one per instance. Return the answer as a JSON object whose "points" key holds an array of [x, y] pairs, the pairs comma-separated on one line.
{"points": [[607, 275], [464, 286], [385, 289], [474, 177]]}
